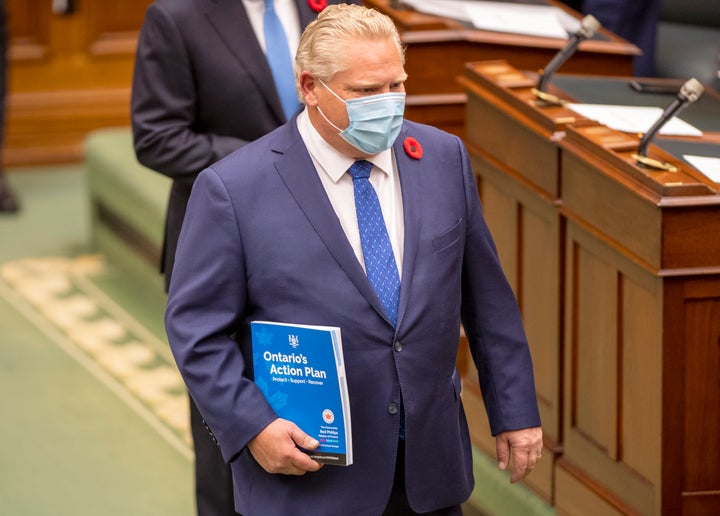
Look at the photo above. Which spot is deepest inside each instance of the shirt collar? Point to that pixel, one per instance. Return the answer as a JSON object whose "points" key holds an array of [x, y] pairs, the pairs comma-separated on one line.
{"points": [[333, 162]]}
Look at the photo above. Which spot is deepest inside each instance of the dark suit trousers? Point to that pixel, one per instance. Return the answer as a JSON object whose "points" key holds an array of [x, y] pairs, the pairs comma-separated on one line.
{"points": [[213, 478], [398, 504]]}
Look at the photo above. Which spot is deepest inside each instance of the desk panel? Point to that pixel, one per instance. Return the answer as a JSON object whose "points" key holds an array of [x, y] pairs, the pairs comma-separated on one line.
{"points": [[635, 259]]}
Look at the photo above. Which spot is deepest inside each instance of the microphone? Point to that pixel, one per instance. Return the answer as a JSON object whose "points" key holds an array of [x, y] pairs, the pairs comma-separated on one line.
{"points": [[689, 93], [588, 27]]}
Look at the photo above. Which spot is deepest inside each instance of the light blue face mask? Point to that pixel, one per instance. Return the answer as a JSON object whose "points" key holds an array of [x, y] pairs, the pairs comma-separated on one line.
{"points": [[375, 121]]}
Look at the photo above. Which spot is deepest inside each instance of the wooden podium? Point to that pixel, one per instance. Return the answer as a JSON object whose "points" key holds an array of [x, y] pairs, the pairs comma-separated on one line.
{"points": [[617, 272], [437, 49]]}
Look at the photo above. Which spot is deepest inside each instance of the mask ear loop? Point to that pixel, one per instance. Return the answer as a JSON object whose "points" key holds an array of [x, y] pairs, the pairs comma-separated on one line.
{"points": [[328, 120], [323, 114], [331, 91]]}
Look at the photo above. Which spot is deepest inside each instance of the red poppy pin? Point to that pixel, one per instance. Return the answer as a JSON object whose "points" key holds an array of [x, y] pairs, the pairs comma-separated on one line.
{"points": [[412, 148], [317, 5]]}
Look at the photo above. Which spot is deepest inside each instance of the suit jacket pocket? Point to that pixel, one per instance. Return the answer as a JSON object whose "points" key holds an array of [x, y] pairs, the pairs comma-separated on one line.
{"points": [[448, 237]]}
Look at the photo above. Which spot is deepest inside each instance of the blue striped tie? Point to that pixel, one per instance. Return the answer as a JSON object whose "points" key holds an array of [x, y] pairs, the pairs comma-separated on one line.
{"points": [[380, 264], [278, 56]]}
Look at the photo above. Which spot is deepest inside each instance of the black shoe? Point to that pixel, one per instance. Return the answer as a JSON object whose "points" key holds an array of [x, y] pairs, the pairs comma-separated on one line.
{"points": [[8, 202]]}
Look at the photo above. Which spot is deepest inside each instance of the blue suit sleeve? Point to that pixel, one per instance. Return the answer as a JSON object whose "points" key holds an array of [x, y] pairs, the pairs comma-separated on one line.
{"points": [[205, 307], [493, 324]]}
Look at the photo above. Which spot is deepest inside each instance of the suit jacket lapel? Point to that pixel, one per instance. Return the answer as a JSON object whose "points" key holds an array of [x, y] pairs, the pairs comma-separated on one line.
{"points": [[229, 19], [409, 170], [299, 175]]}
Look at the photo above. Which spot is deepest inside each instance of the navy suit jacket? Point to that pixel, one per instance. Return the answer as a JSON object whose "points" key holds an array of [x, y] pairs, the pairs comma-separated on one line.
{"points": [[202, 88], [261, 241]]}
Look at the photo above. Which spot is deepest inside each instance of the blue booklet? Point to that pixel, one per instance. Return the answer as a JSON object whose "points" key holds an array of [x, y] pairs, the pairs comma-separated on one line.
{"points": [[301, 372]]}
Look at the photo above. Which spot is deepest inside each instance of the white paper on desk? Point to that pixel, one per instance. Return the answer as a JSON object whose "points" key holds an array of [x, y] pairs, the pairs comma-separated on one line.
{"points": [[707, 165], [447, 8], [634, 119], [533, 20]]}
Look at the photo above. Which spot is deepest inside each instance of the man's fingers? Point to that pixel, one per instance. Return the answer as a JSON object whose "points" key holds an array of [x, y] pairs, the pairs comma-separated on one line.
{"points": [[303, 440], [523, 463], [301, 460], [522, 447], [275, 448], [503, 453], [304, 463]]}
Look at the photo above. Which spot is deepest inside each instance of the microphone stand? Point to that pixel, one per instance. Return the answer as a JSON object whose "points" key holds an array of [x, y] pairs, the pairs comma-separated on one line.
{"points": [[688, 94], [589, 25]]}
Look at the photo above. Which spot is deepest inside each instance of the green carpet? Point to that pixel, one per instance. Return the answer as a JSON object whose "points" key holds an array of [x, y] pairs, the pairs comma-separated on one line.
{"points": [[93, 420]]}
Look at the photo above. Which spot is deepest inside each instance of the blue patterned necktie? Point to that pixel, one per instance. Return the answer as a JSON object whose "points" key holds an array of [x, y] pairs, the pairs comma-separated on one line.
{"points": [[377, 251], [278, 56]]}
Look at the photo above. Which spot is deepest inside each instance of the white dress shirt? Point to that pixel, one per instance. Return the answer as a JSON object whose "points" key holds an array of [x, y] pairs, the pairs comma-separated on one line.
{"points": [[332, 166], [286, 11]]}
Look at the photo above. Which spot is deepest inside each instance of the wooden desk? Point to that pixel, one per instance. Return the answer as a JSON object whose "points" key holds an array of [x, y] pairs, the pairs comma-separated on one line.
{"points": [[437, 49], [617, 272], [642, 327]]}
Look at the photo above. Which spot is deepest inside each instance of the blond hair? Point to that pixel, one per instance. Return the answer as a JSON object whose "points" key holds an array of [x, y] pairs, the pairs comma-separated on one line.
{"points": [[318, 51]]}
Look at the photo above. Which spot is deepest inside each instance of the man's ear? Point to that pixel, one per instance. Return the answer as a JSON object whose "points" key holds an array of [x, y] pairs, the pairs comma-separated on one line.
{"points": [[308, 87]]}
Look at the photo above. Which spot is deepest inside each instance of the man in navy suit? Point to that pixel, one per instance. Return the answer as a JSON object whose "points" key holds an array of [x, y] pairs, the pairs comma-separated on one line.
{"points": [[634, 20], [8, 201], [202, 88], [271, 233]]}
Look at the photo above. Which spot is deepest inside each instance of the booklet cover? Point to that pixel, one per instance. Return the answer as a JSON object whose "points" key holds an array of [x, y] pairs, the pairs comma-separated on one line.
{"points": [[301, 372]]}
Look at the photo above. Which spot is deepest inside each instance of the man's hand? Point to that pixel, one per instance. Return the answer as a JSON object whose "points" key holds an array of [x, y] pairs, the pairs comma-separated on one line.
{"points": [[275, 448], [524, 447]]}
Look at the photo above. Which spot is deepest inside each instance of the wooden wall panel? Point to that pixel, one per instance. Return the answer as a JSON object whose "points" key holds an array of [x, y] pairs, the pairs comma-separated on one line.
{"points": [[702, 392], [539, 303], [641, 384], [112, 27], [29, 30], [68, 74], [613, 378], [501, 214], [593, 381], [691, 395]]}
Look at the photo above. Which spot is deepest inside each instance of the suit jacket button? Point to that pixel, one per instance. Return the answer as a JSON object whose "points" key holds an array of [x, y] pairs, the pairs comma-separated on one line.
{"points": [[393, 408], [398, 346]]}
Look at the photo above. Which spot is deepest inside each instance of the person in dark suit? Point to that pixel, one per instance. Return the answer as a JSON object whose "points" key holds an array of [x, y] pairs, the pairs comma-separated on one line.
{"points": [[203, 87], [634, 20], [8, 201], [272, 233]]}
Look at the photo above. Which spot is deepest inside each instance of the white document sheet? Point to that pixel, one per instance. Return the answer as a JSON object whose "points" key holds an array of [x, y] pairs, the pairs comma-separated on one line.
{"points": [[634, 119], [533, 20], [707, 165], [447, 8], [529, 19]]}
